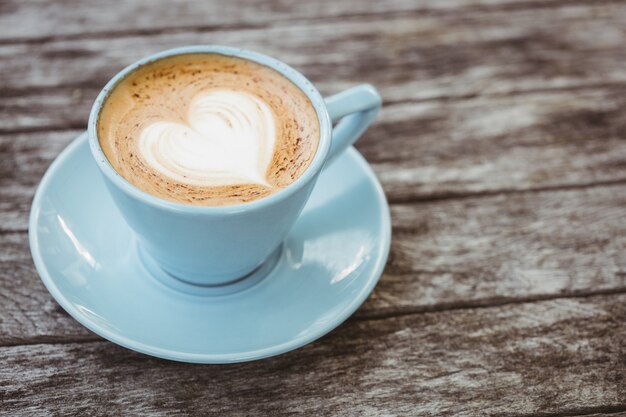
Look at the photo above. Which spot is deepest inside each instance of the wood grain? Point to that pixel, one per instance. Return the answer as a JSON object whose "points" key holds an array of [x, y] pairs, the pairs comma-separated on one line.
{"points": [[552, 358], [35, 22], [488, 145], [504, 248]]}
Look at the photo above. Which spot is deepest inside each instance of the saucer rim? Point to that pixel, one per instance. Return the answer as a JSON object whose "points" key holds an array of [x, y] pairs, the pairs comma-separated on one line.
{"points": [[375, 273]]}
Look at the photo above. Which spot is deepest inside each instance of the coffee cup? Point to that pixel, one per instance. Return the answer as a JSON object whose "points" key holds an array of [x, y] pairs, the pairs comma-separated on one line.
{"points": [[218, 245]]}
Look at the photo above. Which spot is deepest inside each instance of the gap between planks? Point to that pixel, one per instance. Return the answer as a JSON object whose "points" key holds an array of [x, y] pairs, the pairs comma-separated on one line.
{"points": [[485, 303], [504, 191], [590, 411]]}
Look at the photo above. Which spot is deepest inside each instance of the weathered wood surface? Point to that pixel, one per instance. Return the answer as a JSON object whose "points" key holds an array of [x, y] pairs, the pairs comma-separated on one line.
{"points": [[502, 361], [501, 148]]}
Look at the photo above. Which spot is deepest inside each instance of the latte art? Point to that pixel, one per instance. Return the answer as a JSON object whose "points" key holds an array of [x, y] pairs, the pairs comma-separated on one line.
{"points": [[229, 139], [208, 129]]}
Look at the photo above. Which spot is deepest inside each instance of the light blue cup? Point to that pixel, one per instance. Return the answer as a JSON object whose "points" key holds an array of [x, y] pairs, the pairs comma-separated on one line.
{"points": [[212, 246]]}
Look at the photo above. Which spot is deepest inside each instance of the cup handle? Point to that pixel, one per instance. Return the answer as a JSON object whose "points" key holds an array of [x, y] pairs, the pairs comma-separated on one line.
{"points": [[353, 110]]}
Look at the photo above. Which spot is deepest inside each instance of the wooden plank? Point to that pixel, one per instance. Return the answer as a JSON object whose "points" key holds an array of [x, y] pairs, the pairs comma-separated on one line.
{"points": [[35, 21], [503, 248], [446, 254], [420, 151], [409, 56], [553, 358], [497, 144]]}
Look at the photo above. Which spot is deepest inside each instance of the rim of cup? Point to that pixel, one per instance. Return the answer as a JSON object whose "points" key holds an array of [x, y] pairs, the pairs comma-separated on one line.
{"points": [[285, 70]]}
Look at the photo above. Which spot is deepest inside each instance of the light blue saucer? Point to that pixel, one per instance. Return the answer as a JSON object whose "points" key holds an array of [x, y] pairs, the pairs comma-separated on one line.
{"points": [[330, 262]]}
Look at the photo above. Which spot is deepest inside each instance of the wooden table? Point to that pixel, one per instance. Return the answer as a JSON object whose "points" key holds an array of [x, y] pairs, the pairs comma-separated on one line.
{"points": [[502, 150]]}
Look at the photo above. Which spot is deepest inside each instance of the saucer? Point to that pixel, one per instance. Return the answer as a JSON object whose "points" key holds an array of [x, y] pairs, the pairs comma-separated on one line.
{"points": [[88, 259]]}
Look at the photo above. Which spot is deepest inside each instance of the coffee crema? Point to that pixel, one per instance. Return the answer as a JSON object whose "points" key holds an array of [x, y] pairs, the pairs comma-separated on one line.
{"points": [[208, 129]]}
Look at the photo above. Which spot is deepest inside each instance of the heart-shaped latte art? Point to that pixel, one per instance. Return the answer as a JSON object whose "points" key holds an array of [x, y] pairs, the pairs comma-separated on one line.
{"points": [[228, 140]]}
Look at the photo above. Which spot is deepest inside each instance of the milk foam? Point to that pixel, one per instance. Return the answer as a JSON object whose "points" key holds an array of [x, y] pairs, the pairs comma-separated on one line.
{"points": [[228, 139]]}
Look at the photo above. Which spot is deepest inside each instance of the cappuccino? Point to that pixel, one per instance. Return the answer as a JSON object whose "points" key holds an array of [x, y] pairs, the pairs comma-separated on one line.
{"points": [[208, 129]]}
